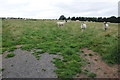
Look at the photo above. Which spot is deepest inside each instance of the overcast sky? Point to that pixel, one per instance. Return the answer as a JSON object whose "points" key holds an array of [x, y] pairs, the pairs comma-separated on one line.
{"points": [[52, 9]]}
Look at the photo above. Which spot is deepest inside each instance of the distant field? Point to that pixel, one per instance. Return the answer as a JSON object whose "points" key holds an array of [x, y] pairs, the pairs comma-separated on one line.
{"points": [[66, 41]]}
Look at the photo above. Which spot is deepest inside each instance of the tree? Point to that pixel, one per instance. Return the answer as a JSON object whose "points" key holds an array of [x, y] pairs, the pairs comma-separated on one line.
{"points": [[100, 19], [105, 19], [118, 20], [73, 18], [77, 18], [68, 18], [113, 19], [62, 17]]}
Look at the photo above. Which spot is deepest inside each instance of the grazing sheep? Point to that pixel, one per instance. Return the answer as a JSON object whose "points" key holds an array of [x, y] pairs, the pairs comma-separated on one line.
{"points": [[105, 26], [77, 20], [83, 26], [25, 19], [68, 20], [61, 23]]}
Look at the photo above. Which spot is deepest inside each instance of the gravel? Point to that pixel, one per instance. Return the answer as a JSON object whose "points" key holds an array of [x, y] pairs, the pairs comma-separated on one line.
{"points": [[25, 65]]}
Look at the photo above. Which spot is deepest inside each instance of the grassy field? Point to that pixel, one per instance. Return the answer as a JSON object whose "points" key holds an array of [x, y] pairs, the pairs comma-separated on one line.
{"points": [[66, 41]]}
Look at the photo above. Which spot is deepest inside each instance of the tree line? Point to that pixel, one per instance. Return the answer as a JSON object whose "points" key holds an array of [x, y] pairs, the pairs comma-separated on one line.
{"points": [[13, 18], [23, 18], [111, 19]]}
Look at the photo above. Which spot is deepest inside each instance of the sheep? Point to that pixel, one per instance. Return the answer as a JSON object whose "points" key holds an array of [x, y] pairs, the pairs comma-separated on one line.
{"points": [[83, 26], [77, 20], [105, 26], [68, 20], [61, 23]]}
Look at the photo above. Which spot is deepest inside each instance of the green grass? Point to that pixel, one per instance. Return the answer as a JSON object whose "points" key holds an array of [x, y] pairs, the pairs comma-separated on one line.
{"points": [[12, 48], [92, 75], [39, 52], [10, 55], [67, 41], [89, 74], [67, 70]]}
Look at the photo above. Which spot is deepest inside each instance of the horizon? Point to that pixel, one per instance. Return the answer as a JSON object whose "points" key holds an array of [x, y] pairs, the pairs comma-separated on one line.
{"points": [[58, 18]]}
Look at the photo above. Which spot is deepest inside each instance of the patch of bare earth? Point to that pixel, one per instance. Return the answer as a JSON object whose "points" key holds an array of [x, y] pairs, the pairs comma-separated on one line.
{"points": [[19, 46], [98, 66]]}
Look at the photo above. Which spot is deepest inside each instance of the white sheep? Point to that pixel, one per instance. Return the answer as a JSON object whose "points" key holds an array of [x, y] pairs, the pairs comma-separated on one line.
{"points": [[61, 23], [68, 20], [83, 26], [105, 26]]}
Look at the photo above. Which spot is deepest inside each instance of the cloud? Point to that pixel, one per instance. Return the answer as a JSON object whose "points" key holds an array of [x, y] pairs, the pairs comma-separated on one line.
{"points": [[49, 9]]}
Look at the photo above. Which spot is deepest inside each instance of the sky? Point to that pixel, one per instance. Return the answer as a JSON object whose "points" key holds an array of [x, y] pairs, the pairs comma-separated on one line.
{"points": [[53, 9]]}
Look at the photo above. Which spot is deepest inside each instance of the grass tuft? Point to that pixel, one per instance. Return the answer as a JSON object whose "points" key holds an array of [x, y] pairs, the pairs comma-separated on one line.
{"points": [[10, 55]]}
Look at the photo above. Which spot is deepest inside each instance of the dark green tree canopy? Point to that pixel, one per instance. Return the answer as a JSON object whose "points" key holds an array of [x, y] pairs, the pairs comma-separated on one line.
{"points": [[111, 19], [62, 17]]}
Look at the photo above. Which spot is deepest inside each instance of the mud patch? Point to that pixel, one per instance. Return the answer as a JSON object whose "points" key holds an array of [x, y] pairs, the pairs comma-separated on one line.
{"points": [[19, 46], [25, 65], [96, 65]]}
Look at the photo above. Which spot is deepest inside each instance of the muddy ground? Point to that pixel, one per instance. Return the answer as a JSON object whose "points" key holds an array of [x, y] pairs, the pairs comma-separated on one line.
{"points": [[98, 66]]}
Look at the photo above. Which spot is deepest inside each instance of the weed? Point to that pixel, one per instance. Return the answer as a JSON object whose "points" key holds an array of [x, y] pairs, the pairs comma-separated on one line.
{"points": [[43, 69], [88, 62], [86, 71], [85, 54], [96, 59], [92, 75], [40, 52], [12, 65], [3, 50], [10, 55], [68, 51], [81, 51], [118, 71], [27, 47], [90, 54], [37, 57], [98, 68], [105, 73], [1, 70]]}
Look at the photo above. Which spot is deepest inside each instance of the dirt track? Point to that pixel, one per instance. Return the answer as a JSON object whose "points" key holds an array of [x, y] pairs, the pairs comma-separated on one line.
{"points": [[98, 66]]}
